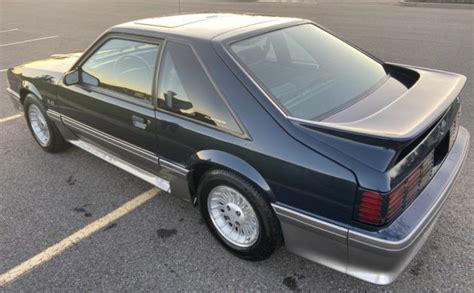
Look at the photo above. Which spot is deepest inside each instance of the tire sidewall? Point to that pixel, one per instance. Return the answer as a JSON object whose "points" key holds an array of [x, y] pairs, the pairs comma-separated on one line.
{"points": [[33, 100], [264, 240]]}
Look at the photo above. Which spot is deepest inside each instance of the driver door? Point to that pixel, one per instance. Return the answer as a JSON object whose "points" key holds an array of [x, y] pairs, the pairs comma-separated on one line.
{"points": [[111, 105]]}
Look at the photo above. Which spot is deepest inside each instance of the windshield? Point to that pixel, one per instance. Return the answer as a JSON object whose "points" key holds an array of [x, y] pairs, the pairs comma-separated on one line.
{"points": [[308, 71]]}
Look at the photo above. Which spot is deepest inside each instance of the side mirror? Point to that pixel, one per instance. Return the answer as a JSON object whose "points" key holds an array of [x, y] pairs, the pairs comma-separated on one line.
{"points": [[78, 76], [172, 102], [71, 77], [89, 79]]}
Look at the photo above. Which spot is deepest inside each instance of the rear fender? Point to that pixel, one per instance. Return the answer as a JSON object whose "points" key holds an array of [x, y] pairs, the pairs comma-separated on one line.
{"points": [[219, 159]]}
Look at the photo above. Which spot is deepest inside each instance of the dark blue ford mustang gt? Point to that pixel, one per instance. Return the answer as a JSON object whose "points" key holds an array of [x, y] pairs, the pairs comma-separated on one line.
{"points": [[275, 128]]}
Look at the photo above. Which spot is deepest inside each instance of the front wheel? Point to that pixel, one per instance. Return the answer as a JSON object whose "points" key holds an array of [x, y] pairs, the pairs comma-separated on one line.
{"points": [[238, 215], [44, 131]]}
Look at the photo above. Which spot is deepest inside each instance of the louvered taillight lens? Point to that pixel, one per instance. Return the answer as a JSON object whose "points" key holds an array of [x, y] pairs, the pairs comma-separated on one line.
{"points": [[370, 208], [379, 209], [395, 201], [453, 131]]}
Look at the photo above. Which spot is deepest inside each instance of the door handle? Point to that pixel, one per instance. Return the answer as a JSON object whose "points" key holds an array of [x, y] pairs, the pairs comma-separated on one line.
{"points": [[140, 122]]}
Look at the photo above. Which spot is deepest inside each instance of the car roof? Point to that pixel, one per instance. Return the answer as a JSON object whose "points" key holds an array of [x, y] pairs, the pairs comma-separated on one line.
{"points": [[201, 26]]}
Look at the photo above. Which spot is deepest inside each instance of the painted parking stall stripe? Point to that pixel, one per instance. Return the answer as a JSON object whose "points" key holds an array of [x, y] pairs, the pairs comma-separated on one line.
{"points": [[16, 116], [28, 41], [56, 249], [10, 30]]}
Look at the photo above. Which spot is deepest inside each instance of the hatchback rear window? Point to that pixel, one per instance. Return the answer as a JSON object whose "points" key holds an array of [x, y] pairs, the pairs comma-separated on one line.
{"points": [[310, 73]]}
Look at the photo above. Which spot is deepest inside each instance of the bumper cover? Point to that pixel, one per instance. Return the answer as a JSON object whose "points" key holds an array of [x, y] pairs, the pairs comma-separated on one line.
{"points": [[377, 257]]}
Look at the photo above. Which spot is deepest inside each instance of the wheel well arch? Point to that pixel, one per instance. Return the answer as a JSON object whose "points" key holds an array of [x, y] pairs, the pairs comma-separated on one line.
{"points": [[205, 161], [28, 88], [23, 93]]}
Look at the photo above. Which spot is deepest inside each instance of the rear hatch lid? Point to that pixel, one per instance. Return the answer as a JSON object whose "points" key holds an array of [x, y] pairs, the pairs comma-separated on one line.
{"points": [[394, 120], [383, 115]]}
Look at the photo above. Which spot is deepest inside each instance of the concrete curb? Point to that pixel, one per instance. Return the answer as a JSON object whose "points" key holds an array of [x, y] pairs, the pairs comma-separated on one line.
{"points": [[412, 3]]}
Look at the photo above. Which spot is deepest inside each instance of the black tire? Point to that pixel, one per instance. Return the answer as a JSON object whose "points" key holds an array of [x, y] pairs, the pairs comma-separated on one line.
{"points": [[56, 141], [270, 236]]}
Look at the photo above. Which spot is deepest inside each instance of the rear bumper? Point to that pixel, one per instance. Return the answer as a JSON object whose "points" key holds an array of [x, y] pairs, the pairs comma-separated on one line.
{"points": [[376, 257], [15, 98]]}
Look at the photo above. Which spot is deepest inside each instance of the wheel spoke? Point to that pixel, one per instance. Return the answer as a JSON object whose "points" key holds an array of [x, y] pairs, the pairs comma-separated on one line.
{"points": [[38, 125], [233, 216]]}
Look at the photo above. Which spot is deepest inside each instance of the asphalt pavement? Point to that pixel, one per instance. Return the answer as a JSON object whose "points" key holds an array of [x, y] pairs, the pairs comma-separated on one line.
{"points": [[163, 244]]}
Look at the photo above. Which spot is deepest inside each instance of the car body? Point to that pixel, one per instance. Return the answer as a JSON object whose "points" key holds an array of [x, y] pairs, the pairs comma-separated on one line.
{"points": [[357, 184]]}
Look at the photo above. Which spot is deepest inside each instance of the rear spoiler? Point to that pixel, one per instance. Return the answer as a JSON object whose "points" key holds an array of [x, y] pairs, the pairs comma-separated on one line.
{"points": [[409, 115]]}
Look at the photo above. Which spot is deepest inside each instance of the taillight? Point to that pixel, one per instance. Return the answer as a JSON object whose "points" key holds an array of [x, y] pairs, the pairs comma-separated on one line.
{"points": [[453, 131], [370, 208], [395, 201], [379, 209]]}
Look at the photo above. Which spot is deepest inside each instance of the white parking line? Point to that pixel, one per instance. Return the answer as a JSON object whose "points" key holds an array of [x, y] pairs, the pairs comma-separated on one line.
{"points": [[10, 118], [75, 238], [28, 41], [10, 30], [3, 70]]}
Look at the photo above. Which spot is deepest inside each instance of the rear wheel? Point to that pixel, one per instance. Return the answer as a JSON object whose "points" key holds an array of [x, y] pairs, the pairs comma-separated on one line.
{"points": [[238, 215], [233, 216], [42, 128]]}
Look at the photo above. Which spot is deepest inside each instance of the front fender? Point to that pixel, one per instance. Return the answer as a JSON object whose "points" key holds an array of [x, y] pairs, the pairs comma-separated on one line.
{"points": [[29, 87], [230, 162]]}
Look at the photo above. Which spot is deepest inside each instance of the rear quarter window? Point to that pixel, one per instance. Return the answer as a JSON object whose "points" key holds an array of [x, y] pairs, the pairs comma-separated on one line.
{"points": [[185, 89]]}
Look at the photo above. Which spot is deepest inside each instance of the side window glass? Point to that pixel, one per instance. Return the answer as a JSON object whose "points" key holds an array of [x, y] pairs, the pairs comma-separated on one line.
{"points": [[124, 66], [185, 89]]}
